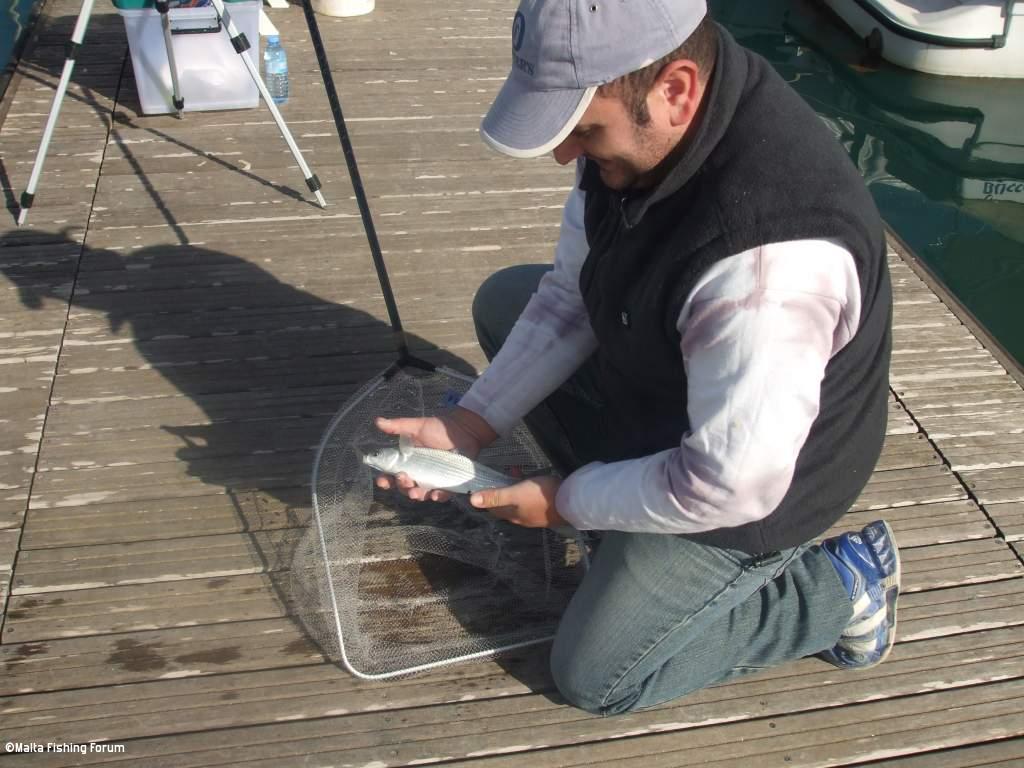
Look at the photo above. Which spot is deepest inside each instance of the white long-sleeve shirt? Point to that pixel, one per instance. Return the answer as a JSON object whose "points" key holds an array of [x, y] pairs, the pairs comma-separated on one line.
{"points": [[756, 333]]}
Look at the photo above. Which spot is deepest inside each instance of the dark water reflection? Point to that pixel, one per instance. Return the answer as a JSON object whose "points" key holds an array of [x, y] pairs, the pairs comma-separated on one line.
{"points": [[14, 18], [943, 156]]}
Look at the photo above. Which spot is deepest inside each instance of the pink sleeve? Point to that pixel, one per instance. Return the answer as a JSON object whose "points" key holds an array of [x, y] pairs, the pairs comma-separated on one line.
{"points": [[550, 340]]}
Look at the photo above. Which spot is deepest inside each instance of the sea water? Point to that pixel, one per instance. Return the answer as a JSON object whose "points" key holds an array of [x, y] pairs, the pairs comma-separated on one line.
{"points": [[943, 157]]}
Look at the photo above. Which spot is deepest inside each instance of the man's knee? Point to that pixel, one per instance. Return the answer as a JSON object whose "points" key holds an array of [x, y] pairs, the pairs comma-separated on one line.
{"points": [[574, 677], [587, 682]]}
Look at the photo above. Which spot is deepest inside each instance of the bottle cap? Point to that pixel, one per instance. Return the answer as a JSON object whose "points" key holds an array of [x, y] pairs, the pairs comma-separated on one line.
{"points": [[273, 39]]}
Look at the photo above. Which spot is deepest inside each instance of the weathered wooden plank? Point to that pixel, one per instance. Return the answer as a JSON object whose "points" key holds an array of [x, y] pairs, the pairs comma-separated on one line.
{"points": [[995, 486], [254, 201], [943, 345], [961, 375], [239, 646], [72, 420], [805, 686], [921, 525], [89, 357], [345, 370], [980, 426], [982, 404], [8, 552], [432, 183], [954, 393], [364, 335], [1009, 518], [919, 515], [987, 723], [153, 558], [290, 693], [910, 339], [215, 469], [12, 508], [184, 443], [244, 313], [1009, 442], [8, 546], [1003, 477], [246, 378], [926, 318], [143, 607], [289, 228], [230, 245], [911, 476], [171, 518], [900, 422], [43, 252], [974, 449], [171, 479], [904, 451], [16, 470], [849, 735], [944, 365], [532, 735], [152, 282], [161, 655], [146, 562], [33, 617], [976, 460], [903, 487], [961, 609], [1005, 753], [945, 426], [948, 565]]}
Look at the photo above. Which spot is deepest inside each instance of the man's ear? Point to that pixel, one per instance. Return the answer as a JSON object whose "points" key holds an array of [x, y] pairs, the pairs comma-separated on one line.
{"points": [[679, 91]]}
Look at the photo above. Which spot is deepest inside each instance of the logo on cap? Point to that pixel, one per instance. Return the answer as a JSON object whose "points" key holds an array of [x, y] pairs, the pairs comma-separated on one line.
{"points": [[518, 30]]}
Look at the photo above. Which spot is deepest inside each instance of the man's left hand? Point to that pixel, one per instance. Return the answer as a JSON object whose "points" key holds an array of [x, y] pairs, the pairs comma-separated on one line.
{"points": [[530, 503]]}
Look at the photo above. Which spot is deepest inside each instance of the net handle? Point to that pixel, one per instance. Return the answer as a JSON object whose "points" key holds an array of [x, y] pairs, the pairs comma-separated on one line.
{"points": [[401, 341]]}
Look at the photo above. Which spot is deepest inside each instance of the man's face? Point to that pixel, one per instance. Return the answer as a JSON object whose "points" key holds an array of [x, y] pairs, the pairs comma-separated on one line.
{"points": [[625, 152]]}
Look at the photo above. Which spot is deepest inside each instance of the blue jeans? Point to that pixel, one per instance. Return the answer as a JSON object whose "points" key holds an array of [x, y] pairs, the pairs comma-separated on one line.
{"points": [[658, 616]]}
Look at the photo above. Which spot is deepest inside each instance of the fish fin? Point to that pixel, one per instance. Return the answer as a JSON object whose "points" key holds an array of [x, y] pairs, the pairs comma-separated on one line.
{"points": [[405, 445]]}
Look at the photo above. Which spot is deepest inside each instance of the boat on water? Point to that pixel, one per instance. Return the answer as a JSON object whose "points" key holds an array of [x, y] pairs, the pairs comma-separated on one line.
{"points": [[955, 140], [961, 38], [942, 156]]}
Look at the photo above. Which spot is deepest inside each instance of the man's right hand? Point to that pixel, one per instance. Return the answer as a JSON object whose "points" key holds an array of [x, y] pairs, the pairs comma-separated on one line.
{"points": [[459, 429]]}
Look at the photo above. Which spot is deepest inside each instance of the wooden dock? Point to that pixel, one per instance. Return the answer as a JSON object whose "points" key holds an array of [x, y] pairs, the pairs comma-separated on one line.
{"points": [[178, 323]]}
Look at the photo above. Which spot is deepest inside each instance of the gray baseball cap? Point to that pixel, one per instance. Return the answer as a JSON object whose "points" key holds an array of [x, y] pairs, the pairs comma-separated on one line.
{"points": [[562, 50]]}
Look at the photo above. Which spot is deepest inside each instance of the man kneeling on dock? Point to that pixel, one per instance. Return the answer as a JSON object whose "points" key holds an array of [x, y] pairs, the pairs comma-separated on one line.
{"points": [[707, 359]]}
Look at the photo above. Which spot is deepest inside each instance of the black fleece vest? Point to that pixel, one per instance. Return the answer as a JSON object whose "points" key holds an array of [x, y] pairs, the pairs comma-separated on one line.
{"points": [[760, 168]]}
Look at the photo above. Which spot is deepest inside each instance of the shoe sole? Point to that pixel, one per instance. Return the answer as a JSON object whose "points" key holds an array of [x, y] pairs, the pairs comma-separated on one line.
{"points": [[891, 581]]}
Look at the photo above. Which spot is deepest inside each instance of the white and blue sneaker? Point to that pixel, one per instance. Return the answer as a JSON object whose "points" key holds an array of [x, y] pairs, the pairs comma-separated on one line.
{"points": [[868, 564]]}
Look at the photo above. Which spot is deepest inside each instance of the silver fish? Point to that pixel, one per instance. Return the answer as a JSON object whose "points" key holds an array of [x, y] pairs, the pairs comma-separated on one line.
{"points": [[430, 468]]}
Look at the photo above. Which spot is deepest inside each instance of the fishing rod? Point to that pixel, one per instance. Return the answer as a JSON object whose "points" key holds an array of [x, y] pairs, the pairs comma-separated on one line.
{"points": [[401, 339]]}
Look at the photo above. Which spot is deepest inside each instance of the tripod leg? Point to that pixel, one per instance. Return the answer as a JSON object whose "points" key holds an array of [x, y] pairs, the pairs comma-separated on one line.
{"points": [[162, 7], [241, 45], [28, 196]]}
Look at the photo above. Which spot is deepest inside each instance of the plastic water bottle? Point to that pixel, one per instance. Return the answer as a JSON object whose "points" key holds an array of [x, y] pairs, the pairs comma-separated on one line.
{"points": [[275, 70]]}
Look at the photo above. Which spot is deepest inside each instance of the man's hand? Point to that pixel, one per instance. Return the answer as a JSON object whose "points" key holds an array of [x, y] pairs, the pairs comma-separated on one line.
{"points": [[530, 503], [459, 429]]}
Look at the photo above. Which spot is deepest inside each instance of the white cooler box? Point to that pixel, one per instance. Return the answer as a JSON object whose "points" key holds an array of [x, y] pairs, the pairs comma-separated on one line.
{"points": [[210, 73]]}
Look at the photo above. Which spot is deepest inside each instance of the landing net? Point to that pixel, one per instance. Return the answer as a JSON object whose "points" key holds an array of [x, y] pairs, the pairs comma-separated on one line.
{"points": [[388, 586]]}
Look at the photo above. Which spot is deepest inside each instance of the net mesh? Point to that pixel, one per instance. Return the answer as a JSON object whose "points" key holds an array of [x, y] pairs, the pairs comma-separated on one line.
{"points": [[388, 586]]}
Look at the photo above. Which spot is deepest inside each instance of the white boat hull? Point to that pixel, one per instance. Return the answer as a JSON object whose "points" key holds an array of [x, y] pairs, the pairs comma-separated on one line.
{"points": [[947, 26]]}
